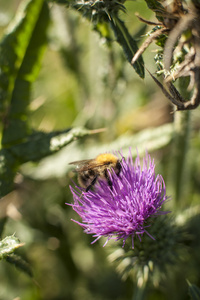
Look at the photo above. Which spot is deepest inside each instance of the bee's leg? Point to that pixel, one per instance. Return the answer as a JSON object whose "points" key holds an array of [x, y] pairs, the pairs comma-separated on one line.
{"points": [[106, 174], [92, 183], [118, 168]]}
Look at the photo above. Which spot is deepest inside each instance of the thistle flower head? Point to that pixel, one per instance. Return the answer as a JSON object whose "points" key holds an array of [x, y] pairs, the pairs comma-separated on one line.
{"points": [[98, 10], [126, 208]]}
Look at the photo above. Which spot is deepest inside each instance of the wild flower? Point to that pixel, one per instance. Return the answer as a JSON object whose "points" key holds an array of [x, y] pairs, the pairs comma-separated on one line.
{"points": [[125, 209]]}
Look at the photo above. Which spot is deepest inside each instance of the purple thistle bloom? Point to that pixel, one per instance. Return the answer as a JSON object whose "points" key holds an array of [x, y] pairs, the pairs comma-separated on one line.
{"points": [[126, 209]]}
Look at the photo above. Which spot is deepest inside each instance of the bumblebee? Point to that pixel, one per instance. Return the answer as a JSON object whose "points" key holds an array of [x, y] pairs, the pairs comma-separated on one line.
{"points": [[90, 170]]}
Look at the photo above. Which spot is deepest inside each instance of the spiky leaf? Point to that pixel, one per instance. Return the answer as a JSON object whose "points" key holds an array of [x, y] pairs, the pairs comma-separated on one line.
{"points": [[128, 43], [20, 55], [37, 146]]}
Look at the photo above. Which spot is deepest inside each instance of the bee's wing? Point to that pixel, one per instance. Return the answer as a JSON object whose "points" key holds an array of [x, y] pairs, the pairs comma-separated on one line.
{"points": [[80, 162], [83, 165]]}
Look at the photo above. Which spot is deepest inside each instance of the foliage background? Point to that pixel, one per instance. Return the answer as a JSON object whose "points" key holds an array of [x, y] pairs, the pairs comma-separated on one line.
{"points": [[83, 82]]}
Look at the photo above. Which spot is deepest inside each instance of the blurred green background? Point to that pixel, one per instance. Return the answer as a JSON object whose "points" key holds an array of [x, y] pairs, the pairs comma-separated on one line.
{"points": [[83, 82]]}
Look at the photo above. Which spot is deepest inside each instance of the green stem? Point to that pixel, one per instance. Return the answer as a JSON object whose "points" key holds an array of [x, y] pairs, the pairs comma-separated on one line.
{"points": [[140, 292], [180, 149], [182, 133]]}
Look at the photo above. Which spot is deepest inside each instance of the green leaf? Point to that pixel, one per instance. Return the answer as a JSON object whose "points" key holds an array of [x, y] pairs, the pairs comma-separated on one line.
{"points": [[150, 139], [194, 291], [36, 147], [8, 168], [128, 44], [13, 48], [20, 54], [42, 144], [156, 7], [104, 31], [9, 245]]}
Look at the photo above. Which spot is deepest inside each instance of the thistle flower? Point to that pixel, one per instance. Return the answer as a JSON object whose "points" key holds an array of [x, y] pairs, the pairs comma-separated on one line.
{"points": [[126, 209]]}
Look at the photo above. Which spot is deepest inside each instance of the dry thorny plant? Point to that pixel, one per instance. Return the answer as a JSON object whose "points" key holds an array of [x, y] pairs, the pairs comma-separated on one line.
{"points": [[181, 27]]}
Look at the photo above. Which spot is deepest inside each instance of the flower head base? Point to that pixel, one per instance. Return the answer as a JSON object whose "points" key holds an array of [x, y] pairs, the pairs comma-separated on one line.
{"points": [[125, 209], [152, 261]]}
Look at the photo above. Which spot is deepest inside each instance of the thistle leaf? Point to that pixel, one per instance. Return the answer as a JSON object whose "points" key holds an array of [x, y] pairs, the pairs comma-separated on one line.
{"points": [[128, 44], [41, 144], [58, 165], [155, 6], [34, 148], [21, 51]]}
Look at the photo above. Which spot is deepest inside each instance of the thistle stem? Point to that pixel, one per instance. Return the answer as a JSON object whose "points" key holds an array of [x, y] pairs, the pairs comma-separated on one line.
{"points": [[180, 149], [140, 292]]}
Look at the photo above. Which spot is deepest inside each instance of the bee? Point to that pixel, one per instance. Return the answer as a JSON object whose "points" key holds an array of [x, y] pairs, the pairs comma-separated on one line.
{"points": [[90, 170]]}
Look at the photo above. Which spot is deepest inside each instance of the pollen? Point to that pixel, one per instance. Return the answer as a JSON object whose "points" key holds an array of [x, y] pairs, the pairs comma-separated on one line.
{"points": [[106, 157]]}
